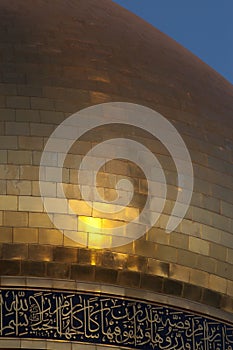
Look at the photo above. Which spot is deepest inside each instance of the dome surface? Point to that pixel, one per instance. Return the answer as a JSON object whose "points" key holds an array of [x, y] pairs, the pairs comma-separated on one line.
{"points": [[59, 57]]}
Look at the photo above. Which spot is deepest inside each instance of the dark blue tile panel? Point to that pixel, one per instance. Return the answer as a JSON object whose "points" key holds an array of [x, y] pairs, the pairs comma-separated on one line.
{"points": [[103, 319]]}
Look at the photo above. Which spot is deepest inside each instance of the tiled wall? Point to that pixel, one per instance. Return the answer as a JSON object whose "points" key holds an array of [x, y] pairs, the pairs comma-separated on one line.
{"points": [[42, 83]]}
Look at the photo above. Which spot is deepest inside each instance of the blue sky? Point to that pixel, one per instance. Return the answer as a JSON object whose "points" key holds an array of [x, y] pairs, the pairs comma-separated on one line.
{"points": [[205, 27]]}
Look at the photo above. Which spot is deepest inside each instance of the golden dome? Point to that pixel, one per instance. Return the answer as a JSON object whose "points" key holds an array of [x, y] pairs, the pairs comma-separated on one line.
{"points": [[59, 57]]}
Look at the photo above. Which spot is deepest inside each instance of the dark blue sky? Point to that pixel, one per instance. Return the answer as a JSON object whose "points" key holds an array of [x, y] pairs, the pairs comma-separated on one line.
{"points": [[205, 27]]}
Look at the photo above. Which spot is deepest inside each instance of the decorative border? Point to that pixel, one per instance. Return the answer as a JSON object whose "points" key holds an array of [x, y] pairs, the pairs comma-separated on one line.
{"points": [[107, 320], [81, 265]]}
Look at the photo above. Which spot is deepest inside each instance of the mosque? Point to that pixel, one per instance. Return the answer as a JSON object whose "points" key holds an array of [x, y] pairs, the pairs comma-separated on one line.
{"points": [[116, 191]]}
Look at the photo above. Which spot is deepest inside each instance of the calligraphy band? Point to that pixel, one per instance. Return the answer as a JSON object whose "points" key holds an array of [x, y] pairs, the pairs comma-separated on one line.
{"points": [[107, 320]]}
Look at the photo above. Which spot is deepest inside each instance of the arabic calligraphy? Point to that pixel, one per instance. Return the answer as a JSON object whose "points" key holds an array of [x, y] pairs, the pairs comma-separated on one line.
{"points": [[108, 320]]}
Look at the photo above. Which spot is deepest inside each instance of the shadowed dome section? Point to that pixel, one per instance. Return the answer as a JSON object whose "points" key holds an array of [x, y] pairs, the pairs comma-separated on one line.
{"points": [[114, 38], [58, 57]]}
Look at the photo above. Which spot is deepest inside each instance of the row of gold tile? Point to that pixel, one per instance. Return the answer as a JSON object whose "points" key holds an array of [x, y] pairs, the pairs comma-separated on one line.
{"points": [[40, 122], [190, 235], [30, 157], [61, 259], [222, 220], [208, 295]]}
